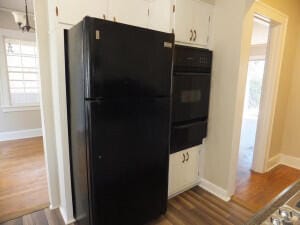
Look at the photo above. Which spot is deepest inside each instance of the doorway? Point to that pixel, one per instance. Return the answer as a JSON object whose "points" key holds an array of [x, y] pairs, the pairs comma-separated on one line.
{"points": [[253, 92], [23, 176], [257, 185]]}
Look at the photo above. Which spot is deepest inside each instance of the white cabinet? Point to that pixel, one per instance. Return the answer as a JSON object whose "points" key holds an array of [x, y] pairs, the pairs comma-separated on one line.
{"points": [[184, 21], [201, 22], [133, 12], [192, 21], [72, 11], [184, 170], [160, 13], [153, 14]]}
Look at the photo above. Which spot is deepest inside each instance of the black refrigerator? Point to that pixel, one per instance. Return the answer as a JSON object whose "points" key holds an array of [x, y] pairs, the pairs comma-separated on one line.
{"points": [[118, 95]]}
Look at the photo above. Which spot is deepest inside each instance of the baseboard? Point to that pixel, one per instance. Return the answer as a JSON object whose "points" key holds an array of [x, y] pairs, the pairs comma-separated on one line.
{"points": [[284, 159], [64, 216], [215, 190], [20, 134], [290, 161], [273, 162]]}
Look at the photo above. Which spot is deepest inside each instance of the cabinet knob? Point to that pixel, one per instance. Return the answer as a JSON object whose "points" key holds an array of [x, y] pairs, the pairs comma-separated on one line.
{"points": [[104, 17], [192, 34], [195, 37], [183, 158], [114, 19]]}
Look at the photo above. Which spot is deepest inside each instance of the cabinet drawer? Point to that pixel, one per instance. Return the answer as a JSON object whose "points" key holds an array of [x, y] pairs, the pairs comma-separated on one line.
{"points": [[187, 135]]}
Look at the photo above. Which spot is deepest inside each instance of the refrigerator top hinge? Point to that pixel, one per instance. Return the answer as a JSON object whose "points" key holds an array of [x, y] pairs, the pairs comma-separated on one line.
{"points": [[97, 34]]}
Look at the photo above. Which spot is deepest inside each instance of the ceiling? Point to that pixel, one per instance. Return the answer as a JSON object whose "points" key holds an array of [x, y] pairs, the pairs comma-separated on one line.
{"points": [[18, 5], [260, 33]]}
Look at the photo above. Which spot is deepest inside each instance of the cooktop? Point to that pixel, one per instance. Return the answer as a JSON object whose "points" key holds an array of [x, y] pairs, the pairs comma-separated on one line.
{"points": [[287, 214]]}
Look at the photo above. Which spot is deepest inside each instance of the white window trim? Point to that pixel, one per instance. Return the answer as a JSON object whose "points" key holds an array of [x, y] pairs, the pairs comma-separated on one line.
{"points": [[4, 87]]}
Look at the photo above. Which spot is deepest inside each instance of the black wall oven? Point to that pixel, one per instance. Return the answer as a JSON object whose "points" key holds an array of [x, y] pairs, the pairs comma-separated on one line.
{"points": [[191, 90]]}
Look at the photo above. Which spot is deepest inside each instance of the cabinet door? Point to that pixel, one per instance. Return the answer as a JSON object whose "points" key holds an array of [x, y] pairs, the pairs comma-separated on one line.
{"points": [[160, 12], [71, 12], [191, 166], [133, 12], [176, 172], [201, 21], [183, 21]]}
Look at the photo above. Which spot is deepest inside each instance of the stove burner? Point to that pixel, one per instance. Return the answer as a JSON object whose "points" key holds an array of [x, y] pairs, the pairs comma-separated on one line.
{"points": [[284, 216]]}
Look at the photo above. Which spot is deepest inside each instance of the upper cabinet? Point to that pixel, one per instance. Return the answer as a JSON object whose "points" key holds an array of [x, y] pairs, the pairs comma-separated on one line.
{"points": [[192, 21], [71, 12], [160, 13], [189, 19], [133, 12], [153, 14]]}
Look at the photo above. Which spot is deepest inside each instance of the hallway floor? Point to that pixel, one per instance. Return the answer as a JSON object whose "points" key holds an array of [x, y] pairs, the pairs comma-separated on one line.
{"points": [[23, 182], [255, 190]]}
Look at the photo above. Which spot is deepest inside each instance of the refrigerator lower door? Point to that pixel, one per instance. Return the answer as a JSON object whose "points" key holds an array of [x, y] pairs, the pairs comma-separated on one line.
{"points": [[129, 155]]}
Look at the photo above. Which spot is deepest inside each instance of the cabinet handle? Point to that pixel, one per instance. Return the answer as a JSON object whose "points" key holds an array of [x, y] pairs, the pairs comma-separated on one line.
{"points": [[191, 38], [183, 158], [104, 17], [114, 19], [188, 156], [195, 38]]}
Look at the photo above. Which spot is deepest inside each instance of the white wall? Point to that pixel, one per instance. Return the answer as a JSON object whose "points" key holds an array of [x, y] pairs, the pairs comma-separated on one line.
{"points": [[17, 120], [228, 22], [41, 13], [21, 120], [7, 21]]}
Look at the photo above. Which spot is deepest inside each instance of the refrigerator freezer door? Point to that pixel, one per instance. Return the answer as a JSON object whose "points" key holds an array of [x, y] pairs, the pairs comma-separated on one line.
{"points": [[129, 155], [128, 61]]}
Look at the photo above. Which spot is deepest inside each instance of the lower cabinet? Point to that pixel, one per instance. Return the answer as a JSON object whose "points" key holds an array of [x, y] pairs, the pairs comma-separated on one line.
{"points": [[184, 170]]}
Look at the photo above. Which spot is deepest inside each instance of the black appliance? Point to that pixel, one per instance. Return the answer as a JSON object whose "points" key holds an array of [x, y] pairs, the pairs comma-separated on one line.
{"points": [[191, 90], [118, 91]]}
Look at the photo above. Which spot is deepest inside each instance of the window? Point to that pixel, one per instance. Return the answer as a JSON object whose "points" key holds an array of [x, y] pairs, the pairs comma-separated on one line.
{"points": [[254, 85], [22, 71]]}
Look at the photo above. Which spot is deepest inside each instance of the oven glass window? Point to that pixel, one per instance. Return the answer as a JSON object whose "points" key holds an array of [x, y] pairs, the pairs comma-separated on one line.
{"points": [[190, 96]]}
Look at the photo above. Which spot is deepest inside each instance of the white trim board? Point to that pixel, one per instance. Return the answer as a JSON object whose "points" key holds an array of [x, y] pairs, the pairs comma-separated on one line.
{"points": [[215, 190], [65, 218], [284, 159], [20, 134]]}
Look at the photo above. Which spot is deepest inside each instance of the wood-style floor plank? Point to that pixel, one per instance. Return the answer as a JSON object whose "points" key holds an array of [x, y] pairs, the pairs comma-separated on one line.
{"points": [[193, 207], [255, 190], [23, 182]]}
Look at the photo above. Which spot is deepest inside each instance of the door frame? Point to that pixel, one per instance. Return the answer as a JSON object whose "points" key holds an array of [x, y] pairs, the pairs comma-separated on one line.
{"points": [[270, 85]]}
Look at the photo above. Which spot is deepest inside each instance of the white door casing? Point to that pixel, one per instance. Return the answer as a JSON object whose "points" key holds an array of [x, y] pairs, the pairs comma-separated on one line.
{"points": [[269, 91]]}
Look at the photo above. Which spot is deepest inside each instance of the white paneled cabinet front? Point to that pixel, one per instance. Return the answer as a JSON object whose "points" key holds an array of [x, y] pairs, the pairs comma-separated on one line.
{"points": [[160, 12], [153, 14], [183, 170], [133, 12], [192, 21], [72, 11]]}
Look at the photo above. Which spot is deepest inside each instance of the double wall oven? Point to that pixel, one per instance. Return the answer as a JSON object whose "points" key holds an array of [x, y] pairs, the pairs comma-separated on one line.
{"points": [[191, 90]]}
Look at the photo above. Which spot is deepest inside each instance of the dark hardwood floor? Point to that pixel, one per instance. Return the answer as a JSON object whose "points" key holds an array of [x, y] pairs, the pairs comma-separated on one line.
{"points": [[255, 190], [193, 207], [23, 183]]}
